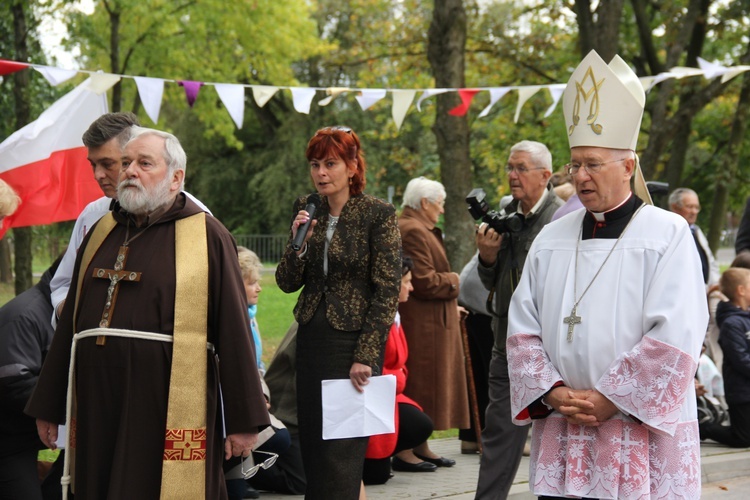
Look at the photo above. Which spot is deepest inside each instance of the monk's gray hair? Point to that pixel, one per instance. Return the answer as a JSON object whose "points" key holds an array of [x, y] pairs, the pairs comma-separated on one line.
{"points": [[174, 154]]}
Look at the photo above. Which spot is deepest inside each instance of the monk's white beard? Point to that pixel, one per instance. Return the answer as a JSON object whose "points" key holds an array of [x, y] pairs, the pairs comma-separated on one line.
{"points": [[141, 201]]}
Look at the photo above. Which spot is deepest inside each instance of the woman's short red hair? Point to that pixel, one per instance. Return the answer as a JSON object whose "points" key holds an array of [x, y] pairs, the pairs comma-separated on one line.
{"points": [[343, 143]]}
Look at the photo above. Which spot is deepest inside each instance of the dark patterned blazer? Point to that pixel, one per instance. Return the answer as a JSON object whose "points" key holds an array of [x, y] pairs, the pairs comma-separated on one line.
{"points": [[364, 272]]}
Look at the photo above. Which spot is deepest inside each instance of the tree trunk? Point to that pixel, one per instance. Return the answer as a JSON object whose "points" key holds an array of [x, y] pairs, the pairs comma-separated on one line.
{"points": [[586, 26], [447, 42], [676, 163], [22, 236], [608, 22], [6, 272], [114, 58], [726, 176], [599, 34], [662, 111]]}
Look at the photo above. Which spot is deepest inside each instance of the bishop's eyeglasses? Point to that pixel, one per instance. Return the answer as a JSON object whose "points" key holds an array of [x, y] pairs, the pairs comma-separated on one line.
{"points": [[265, 464], [593, 167]]}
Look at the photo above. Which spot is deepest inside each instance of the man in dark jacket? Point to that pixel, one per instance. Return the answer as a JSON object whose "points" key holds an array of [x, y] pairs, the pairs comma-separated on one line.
{"points": [[501, 259], [25, 336], [742, 243]]}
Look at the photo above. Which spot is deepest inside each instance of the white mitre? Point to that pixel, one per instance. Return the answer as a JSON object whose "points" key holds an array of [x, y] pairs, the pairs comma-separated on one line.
{"points": [[603, 107]]}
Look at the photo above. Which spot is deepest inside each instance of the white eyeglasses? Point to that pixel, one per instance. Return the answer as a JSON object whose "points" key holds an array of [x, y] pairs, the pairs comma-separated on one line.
{"points": [[265, 464]]}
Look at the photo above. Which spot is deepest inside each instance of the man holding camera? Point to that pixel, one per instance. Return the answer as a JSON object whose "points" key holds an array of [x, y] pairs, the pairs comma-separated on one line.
{"points": [[501, 258]]}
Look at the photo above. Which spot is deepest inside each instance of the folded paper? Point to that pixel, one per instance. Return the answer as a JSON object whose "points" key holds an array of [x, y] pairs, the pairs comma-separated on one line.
{"points": [[348, 413]]}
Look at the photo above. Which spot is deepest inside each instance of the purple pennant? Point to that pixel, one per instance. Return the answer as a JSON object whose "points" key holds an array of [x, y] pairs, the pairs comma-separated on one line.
{"points": [[191, 90]]}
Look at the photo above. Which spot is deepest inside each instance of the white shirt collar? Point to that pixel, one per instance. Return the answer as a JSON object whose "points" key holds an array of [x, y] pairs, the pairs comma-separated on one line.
{"points": [[536, 206], [599, 216]]}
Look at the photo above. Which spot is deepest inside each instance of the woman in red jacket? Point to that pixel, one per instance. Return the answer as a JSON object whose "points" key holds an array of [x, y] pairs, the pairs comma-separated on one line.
{"points": [[413, 426]]}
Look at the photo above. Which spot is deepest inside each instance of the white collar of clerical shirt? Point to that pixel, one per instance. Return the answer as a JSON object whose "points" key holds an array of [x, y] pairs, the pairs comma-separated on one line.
{"points": [[536, 206], [600, 216]]}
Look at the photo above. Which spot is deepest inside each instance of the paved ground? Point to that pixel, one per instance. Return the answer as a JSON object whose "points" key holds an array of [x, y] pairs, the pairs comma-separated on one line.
{"points": [[726, 476], [725, 256]]}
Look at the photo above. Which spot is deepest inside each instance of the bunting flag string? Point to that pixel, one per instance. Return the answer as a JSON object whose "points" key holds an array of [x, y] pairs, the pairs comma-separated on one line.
{"points": [[232, 95]]}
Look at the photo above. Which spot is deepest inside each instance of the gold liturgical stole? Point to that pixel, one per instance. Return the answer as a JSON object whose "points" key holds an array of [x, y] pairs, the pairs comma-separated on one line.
{"points": [[184, 459]]}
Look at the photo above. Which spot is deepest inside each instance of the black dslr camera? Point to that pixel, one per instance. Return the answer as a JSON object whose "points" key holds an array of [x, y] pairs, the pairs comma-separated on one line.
{"points": [[501, 223]]}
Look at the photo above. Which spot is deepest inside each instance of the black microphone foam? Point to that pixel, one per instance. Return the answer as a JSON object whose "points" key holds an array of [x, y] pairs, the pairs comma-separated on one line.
{"points": [[313, 202]]}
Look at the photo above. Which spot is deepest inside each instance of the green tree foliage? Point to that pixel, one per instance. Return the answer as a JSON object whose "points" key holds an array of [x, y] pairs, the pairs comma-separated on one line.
{"points": [[250, 177], [247, 42]]}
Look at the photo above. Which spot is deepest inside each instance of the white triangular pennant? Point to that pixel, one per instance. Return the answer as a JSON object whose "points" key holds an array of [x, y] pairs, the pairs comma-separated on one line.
{"points": [[663, 76], [429, 93], [369, 97], [56, 76], [647, 82], [402, 99], [263, 93], [524, 94], [233, 97], [151, 91], [333, 93], [102, 82], [711, 70], [680, 72], [555, 92], [302, 98], [734, 71], [495, 95]]}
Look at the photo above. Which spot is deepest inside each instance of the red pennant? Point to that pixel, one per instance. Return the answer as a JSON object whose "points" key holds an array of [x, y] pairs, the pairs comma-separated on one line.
{"points": [[8, 67], [466, 96], [191, 90]]}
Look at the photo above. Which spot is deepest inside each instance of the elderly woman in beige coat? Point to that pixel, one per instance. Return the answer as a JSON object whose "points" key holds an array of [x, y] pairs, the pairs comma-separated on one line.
{"points": [[437, 377]]}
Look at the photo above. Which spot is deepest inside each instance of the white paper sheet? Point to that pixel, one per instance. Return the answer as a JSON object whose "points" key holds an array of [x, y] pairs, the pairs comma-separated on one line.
{"points": [[348, 413]]}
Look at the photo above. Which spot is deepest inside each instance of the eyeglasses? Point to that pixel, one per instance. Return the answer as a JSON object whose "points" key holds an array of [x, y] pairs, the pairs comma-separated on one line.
{"points": [[520, 170], [590, 168], [265, 464]]}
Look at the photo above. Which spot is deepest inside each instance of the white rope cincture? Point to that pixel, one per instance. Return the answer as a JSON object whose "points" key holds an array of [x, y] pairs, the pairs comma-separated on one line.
{"points": [[96, 332]]}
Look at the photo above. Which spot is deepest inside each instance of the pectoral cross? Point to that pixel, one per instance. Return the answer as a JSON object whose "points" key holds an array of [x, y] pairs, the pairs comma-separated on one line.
{"points": [[115, 276], [572, 321]]}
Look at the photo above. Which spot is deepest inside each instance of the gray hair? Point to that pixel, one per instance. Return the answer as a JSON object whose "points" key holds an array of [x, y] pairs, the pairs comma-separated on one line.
{"points": [[422, 187], [675, 199], [539, 153], [174, 155]]}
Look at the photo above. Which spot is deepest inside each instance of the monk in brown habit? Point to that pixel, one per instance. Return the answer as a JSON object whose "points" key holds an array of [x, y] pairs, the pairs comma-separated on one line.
{"points": [[161, 371]]}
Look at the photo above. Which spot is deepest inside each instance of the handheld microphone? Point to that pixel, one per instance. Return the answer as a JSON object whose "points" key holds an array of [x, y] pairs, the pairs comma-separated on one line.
{"points": [[313, 202]]}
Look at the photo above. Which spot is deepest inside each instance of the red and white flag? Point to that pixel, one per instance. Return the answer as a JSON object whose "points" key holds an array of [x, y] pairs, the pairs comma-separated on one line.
{"points": [[45, 161]]}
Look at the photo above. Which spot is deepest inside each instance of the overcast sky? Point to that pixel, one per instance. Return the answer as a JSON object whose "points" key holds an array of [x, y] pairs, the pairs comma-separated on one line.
{"points": [[53, 30]]}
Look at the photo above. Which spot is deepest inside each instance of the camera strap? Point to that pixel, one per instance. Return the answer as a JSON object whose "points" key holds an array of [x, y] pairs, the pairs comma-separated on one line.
{"points": [[515, 278]]}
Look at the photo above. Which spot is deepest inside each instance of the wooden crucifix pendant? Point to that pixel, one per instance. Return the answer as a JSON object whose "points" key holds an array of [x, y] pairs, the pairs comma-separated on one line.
{"points": [[572, 321], [115, 276]]}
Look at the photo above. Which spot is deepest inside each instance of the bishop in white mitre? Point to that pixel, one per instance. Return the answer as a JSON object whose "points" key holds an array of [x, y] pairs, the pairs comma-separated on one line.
{"points": [[606, 325]]}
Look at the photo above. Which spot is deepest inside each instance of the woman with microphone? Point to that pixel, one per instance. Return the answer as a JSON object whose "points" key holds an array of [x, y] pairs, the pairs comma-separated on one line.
{"points": [[349, 268]]}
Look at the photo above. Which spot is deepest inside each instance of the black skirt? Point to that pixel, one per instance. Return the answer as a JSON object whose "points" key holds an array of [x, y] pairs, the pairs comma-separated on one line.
{"points": [[333, 467]]}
